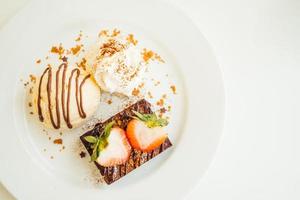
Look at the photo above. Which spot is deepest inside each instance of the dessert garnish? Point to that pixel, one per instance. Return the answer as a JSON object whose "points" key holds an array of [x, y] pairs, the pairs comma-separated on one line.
{"points": [[120, 63], [111, 147], [99, 143], [137, 115], [145, 131], [119, 67], [151, 120]]}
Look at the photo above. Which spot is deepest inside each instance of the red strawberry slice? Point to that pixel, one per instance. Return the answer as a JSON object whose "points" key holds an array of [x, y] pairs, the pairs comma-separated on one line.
{"points": [[117, 151], [144, 138]]}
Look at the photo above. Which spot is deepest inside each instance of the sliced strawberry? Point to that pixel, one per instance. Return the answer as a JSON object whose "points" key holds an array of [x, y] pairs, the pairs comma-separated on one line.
{"points": [[144, 138], [117, 151]]}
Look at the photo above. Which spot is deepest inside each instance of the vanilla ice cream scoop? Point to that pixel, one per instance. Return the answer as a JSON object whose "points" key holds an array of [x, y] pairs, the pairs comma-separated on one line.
{"points": [[120, 68], [65, 97]]}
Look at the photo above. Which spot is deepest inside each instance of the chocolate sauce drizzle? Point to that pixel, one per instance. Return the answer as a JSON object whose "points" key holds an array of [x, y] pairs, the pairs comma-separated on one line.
{"points": [[65, 107]]}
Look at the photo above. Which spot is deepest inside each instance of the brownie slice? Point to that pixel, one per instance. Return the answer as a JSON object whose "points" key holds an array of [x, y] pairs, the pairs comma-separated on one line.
{"points": [[137, 157]]}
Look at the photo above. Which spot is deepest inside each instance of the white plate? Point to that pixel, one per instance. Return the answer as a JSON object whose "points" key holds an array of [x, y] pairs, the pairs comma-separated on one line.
{"points": [[196, 124]]}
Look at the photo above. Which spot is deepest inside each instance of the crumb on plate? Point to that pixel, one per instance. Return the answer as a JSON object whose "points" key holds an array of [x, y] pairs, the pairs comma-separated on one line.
{"points": [[115, 32], [82, 154], [58, 141], [173, 88], [135, 92], [32, 78], [82, 64], [79, 37], [150, 95], [160, 102], [150, 55], [103, 33], [157, 83], [76, 49], [58, 49], [109, 101], [162, 110], [130, 38]]}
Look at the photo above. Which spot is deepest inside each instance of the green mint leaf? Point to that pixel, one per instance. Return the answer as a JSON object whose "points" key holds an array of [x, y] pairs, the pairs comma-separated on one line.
{"points": [[91, 139], [102, 145], [94, 156], [95, 153], [139, 116], [151, 120], [151, 124], [93, 146], [107, 129], [162, 122], [98, 144]]}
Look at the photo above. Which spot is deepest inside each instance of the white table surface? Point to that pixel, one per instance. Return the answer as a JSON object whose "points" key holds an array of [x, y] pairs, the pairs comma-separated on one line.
{"points": [[257, 44]]}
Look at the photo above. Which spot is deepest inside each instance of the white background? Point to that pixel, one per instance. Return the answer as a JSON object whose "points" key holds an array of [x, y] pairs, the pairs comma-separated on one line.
{"points": [[257, 44]]}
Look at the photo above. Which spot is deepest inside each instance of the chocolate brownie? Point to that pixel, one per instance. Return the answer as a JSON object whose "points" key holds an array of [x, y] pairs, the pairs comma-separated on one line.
{"points": [[137, 157]]}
